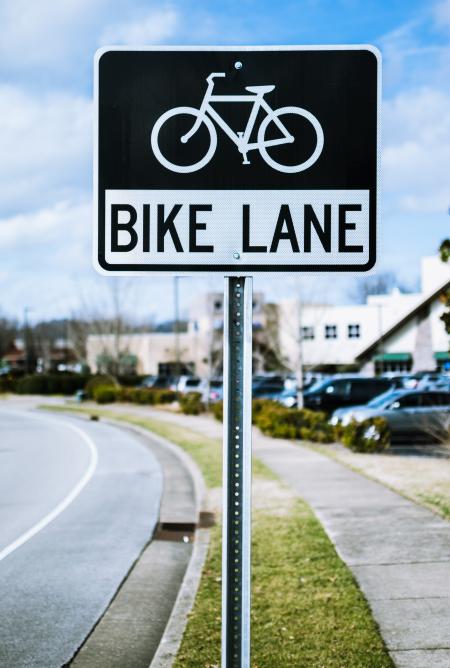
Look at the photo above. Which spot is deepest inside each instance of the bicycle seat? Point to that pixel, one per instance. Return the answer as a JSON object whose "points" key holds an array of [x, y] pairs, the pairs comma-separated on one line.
{"points": [[259, 89]]}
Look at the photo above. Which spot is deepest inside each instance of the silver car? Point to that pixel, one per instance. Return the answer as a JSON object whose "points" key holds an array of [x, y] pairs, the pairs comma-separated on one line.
{"points": [[410, 414], [188, 384], [212, 391]]}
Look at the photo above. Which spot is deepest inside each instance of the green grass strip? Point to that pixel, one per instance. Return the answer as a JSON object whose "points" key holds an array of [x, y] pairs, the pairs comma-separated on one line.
{"points": [[307, 610], [438, 503]]}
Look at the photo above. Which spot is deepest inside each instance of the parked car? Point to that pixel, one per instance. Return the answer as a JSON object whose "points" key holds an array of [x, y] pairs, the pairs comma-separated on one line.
{"points": [[421, 380], [338, 392], [267, 391], [147, 381], [188, 384], [398, 382], [411, 414], [288, 398], [212, 392], [159, 382], [309, 379], [81, 395], [268, 380], [442, 383]]}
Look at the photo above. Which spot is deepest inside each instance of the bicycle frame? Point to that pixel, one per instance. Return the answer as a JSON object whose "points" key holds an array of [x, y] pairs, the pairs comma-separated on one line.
{"points": [[241, 139]]}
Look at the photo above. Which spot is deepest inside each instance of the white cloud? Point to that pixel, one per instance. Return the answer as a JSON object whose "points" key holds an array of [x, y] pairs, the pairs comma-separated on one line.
{"points": [[61, 226], [47, 143], [157, 26], [416, 113], [44, 32], [44, 254], [416, 155], [417, 52]]}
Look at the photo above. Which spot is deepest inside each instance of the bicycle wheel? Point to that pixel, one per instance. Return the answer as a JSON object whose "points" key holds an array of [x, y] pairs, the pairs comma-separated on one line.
{"points": [[290, 169], [167, 116]]}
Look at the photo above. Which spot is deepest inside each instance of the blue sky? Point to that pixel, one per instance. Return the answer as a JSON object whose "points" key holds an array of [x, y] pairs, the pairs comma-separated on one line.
{"points": [[46, 56]]}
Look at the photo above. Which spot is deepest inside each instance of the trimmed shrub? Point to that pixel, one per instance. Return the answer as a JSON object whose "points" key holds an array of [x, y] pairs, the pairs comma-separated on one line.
{"points": [[217, 410], [143, 396], [100, 381], [280, 422], [191, 403], [130, 380], [338, 431], [50, 383], [274, 420], [165, 396], [146, 396], [367, 436], [32, 385], [126, 394], [260, 405], [7, 384], [105, 395]]}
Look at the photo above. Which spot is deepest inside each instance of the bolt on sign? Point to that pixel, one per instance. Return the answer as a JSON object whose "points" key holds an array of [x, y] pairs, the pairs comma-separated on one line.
{"points": [[236, 160]]}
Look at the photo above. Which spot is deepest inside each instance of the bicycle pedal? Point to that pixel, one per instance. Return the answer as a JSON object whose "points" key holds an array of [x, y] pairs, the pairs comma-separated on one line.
{"points": [[240, 135]]}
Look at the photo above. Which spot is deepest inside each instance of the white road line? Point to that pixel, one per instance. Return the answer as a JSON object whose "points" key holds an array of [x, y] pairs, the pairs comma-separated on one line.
{"points": [[57, 510]]}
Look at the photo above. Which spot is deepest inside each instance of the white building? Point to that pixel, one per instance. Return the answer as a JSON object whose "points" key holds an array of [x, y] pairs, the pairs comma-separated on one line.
{"points": [[198, 350], [394, 332], [154, 352]]}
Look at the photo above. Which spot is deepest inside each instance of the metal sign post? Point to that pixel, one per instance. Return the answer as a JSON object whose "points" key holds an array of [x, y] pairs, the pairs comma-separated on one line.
{"points": [[236, 160], [237, 465]]}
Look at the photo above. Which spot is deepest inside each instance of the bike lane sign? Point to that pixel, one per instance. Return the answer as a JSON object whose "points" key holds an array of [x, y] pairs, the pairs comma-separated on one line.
{"points": [[236, 160]]}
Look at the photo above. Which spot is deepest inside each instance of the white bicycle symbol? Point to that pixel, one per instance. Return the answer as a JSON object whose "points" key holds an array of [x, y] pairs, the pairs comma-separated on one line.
{"points": [[241, 139]]}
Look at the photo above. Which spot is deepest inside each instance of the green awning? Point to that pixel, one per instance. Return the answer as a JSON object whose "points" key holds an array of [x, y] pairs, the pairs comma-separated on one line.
{"points": [[393, 357], [442, 356]]}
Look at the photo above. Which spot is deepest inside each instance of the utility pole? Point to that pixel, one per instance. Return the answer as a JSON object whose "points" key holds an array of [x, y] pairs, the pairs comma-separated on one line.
{"points": [[66, 342], [26, 336]]}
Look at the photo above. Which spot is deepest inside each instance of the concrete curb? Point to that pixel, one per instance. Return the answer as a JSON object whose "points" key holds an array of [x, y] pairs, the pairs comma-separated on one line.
{"points": [[173, 634]]}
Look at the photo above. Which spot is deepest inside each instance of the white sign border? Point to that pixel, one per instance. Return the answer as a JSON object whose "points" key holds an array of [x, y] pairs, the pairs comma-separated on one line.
{"points": [[238, 272]]}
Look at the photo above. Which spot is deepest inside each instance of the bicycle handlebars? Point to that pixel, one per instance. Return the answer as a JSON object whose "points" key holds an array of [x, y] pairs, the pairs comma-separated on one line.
{"points": [[210, 78]]}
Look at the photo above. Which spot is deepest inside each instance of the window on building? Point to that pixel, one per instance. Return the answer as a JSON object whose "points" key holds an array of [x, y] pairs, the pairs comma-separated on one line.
{"points": [[218, 305], [354, 331], [331, 331], [307, 333], [393, 363]]}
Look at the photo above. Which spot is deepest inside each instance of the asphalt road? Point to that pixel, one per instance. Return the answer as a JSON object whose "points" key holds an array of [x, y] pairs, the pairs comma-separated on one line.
{"points": [[78, 503]]}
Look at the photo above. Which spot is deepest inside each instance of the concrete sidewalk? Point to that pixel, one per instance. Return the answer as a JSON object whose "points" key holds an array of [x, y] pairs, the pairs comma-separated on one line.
{"points": [[398, 551]]}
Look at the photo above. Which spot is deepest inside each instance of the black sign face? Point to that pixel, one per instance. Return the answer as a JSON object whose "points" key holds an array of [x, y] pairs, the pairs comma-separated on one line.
{"points": [[238, 160]]}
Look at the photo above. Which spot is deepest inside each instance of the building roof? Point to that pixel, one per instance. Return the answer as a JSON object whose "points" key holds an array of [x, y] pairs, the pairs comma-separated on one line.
{"points": [[403, 319]]}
